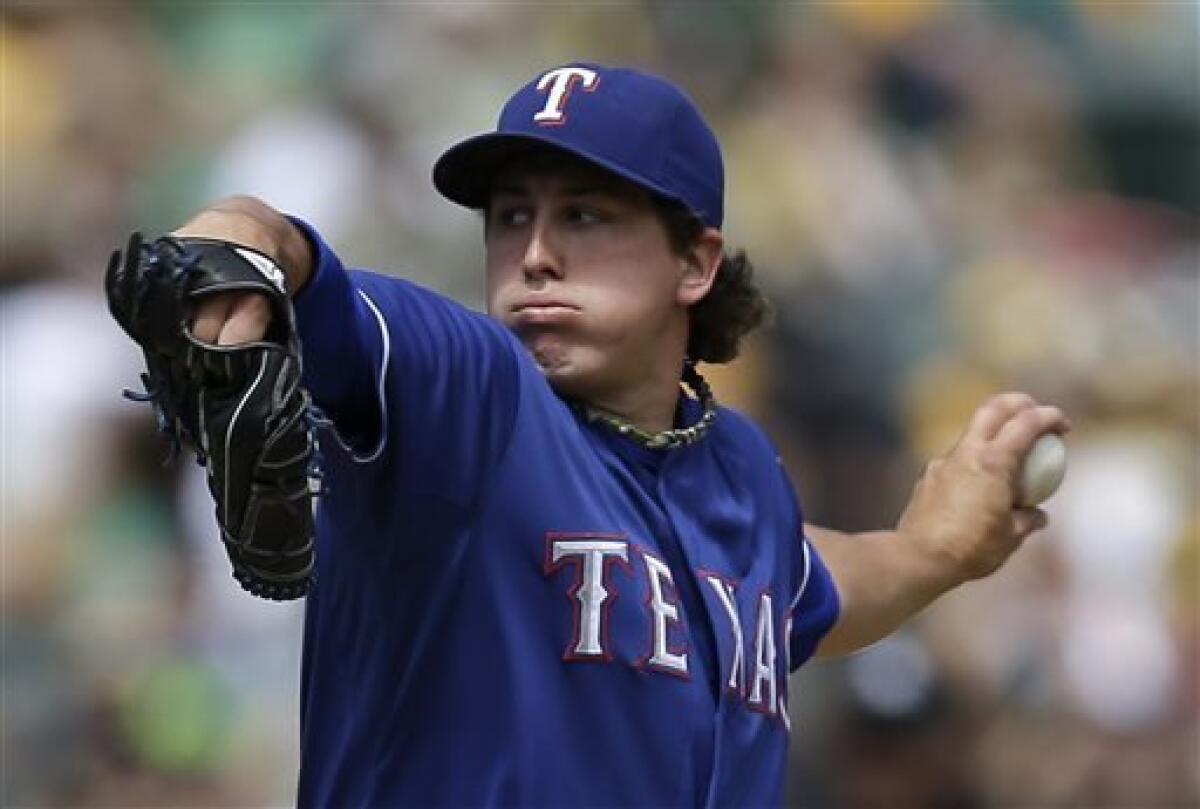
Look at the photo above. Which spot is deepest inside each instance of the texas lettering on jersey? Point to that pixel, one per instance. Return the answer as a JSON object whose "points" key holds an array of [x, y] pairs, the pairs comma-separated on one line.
{"points": [[592, 591]]}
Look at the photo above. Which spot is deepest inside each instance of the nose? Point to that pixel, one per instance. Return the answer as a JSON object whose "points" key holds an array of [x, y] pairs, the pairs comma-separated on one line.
{"points": [[541, 260]]}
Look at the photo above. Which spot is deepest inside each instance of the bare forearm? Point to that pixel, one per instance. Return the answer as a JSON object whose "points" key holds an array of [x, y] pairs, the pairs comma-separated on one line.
{"points": [[961, 523], [882, 581]]}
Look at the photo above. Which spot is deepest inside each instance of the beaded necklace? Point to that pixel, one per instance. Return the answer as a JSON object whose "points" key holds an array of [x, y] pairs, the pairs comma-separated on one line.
{"points": [[666, 439]]}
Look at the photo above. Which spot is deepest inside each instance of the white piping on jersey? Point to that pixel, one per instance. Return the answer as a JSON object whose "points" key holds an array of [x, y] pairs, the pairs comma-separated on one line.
{"points": [[804, 578], [383, 412]]}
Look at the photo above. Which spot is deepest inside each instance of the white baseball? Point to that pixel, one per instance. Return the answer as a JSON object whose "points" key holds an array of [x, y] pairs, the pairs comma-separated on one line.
{"points": [[1043, 470]]}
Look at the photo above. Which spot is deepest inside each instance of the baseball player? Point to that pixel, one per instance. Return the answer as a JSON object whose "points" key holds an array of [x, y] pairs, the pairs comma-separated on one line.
{"points": [[545, 573]]}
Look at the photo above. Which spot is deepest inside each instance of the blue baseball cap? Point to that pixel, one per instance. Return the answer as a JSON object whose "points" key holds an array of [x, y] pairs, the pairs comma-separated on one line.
{"points": [[638, 126]]}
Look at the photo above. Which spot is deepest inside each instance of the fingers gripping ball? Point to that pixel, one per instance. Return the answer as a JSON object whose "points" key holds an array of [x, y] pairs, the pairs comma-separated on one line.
{"points": [[240, 408], [1042, 471]]}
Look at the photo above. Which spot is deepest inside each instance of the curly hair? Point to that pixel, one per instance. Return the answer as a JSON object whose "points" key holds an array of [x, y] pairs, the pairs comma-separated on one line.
{"points": [[733, 308]]}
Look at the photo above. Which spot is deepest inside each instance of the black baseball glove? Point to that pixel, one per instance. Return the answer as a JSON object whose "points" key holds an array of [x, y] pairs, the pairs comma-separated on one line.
{"points": [[239, 408]]}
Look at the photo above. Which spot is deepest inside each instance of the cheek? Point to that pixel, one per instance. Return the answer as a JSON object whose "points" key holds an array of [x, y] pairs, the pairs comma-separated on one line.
{"points": [[492, 292], [641, 286], [620, 312], [498, 276]]}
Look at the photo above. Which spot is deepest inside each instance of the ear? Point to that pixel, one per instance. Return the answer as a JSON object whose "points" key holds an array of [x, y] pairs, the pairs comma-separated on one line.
{"points": [[700, 265]]}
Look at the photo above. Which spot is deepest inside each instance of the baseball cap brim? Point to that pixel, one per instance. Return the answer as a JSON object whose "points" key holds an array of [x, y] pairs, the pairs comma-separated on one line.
{"points": [[464, 173]]}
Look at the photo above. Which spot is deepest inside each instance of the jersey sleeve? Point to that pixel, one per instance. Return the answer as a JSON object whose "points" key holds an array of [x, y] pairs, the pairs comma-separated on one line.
{"points": [[408, 378], [815, 607], [344, 350]]}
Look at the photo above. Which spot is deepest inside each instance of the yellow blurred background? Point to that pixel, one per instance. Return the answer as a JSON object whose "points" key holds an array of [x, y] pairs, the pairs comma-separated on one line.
{"points": [[943, 200]]}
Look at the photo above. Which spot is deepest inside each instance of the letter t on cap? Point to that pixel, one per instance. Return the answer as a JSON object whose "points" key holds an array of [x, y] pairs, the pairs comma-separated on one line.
{"points": [[561, 81]]}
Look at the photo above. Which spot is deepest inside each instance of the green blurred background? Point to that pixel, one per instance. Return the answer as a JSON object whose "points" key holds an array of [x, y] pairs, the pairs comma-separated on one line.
{"points": [[943, 200]]}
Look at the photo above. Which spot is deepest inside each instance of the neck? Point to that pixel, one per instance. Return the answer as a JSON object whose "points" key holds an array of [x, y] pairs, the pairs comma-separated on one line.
{"points": [[650, 401]]}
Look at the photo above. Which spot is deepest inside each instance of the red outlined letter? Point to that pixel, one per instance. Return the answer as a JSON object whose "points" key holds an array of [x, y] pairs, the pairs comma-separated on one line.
{"points": [[661, 657], [764, 659], [592, 556], [561, 81], [726, 593]]}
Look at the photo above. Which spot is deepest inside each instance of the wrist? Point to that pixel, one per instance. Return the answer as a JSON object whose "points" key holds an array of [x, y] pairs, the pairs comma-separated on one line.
{"points": [[929, 565], [252, 223], [297, 255]]}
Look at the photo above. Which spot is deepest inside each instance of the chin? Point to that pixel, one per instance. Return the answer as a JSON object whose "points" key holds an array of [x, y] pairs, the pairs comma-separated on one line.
{"points": [[562, 365], [558, 370]]}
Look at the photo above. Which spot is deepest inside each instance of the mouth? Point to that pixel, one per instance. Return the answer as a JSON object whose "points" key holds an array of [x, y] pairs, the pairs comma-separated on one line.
{"points": [[542, 312]]}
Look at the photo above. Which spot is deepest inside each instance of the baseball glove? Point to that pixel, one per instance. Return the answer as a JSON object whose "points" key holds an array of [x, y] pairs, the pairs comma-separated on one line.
{"points": [[239, 408]]}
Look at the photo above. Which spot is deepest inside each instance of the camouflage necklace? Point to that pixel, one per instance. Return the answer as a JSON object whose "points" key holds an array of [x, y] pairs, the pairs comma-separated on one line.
{"points": [[666, 439]]}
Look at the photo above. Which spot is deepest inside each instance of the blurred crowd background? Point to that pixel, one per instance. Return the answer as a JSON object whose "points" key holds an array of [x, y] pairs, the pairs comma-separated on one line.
{"points": [[943, 200]]}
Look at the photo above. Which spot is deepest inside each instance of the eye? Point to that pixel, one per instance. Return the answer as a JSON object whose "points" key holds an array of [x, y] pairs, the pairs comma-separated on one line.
{"points": [[510, 216], [582, 215]]}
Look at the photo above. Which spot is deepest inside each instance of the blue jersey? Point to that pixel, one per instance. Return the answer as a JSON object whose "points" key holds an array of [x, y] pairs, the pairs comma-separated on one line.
{"points": [[516, 608]]}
